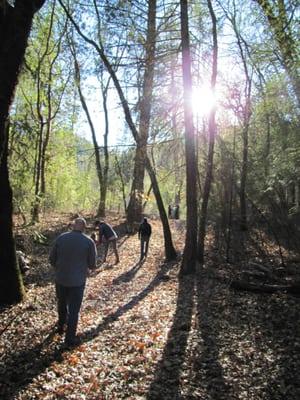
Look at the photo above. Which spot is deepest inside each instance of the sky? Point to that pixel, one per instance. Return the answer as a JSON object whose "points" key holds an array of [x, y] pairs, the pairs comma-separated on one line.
{"points": [[117, 123]]}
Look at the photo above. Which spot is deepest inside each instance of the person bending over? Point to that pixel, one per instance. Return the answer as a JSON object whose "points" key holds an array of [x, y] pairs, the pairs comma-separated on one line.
{"points": [[108, 237]]}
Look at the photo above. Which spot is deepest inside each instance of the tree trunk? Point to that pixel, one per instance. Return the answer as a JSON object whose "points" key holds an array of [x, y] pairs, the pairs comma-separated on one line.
{"points": [[231, 194], [119, 171], [297, 195], [135, 206], [127, 113], [15, 25], [102, 173], [170, 251], [190, 249], [103, 188], [244, 175], [212, 130], [245, 127], [35, 212], [45, 115], [11, 286]]}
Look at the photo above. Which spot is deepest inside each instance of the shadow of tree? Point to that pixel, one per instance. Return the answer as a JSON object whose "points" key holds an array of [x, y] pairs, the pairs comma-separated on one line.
{"points": [[166, 383], [275, 331], [207, 373], [128, 275], [255, 337], [33, 361], [160, 277], [282, 333]]}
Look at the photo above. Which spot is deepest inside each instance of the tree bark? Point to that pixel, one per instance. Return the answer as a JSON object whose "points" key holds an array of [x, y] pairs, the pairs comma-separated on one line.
{"points": [[135, 206], [103, 187], [190, 250], [212, 130], [119, 171], [11, 285], [246, 115], [15, 25], [244, 176], [170, 251]]}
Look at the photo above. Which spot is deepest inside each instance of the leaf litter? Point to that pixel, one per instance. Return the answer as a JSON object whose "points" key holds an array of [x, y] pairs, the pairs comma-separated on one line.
{"points": [[147, 333]]}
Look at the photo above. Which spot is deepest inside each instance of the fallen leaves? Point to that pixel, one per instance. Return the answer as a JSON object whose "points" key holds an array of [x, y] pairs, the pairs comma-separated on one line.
{"points": [[144, 337]]}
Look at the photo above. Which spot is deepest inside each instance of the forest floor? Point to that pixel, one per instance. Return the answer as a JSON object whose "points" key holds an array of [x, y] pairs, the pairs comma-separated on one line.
{"points": [[147, 333]]}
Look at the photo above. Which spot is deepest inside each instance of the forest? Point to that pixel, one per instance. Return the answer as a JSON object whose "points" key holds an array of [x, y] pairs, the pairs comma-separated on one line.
{"points": [[185, 113]]}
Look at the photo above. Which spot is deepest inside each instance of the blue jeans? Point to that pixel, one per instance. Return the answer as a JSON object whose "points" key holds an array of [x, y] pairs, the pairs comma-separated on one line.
{"points": [[69, 301]]}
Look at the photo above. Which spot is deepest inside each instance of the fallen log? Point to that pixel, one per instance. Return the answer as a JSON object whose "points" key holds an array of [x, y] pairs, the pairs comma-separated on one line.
{"points": [[264, 288], [254, 274], [261, 268], [248, 275]]}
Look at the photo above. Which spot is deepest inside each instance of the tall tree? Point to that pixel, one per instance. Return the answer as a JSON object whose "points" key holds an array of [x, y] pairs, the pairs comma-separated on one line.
{"points": [[49, 91], [15, 25], [212, 130], [190, 249], [280, 20], [169, 248], [245, 118], [135, 206], [242, 109], [102, 171]]}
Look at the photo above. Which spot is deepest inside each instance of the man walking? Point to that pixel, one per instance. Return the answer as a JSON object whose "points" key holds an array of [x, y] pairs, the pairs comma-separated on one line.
{"points": [[144, 234], [107, 236], [72, 254]]}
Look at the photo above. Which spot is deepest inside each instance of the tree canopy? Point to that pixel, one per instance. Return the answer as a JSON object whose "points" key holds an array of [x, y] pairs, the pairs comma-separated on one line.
{"points": [[136, 107]]}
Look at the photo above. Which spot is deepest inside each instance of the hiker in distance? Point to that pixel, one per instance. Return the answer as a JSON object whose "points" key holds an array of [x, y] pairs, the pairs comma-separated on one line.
{"points": [[144, 234], [72, 255], [108, 237]]}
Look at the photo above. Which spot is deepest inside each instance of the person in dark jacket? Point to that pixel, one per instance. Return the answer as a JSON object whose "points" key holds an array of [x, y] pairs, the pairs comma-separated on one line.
{"points": [[144, 234], [107, 236], [72, 255]]}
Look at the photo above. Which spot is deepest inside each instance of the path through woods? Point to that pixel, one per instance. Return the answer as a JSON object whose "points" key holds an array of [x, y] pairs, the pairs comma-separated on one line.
{"points": [[146, 334]]}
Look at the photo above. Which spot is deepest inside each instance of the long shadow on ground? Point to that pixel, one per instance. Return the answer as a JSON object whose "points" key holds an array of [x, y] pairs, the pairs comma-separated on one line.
{"points": [[266, 357], [129, 275], [35, 360], [166, 383], [275, 332], [284, 337], [255, 337], [207, 376], [18, 370], [157, 280]]}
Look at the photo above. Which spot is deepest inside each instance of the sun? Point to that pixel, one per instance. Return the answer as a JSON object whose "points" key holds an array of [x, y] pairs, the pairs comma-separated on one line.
{"points": [[203, 100]]}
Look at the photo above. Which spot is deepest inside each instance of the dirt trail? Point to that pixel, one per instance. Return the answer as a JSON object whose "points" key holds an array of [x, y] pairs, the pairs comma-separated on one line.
{"points": [[148, 335]]}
